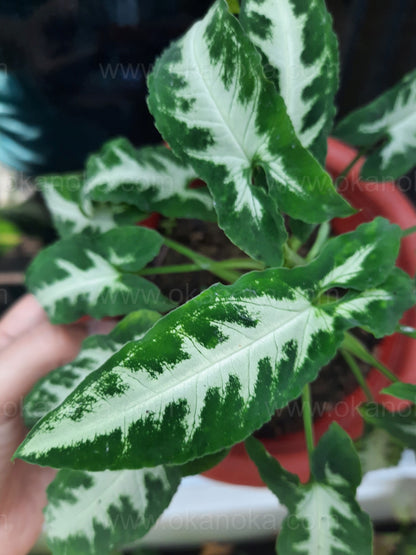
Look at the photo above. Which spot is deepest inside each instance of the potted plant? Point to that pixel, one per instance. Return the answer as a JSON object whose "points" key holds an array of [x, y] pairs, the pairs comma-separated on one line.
{"points": [[245, 100]]}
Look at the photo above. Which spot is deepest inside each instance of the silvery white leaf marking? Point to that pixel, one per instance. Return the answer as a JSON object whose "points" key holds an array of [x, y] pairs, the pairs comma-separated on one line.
{"points": [[388, 125], [90, 513], [79, 281], [228, 121], [399, 122], [150, 178], [52, 390], [305, 60], [201, 371]]}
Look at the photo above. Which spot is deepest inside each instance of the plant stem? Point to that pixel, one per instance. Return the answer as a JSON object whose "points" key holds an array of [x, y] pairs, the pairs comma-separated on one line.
{"points": [[234, 6], [294, 243], [355, 369], [203, 262], [292, 259], [307, 420], [409, 231], [321, 238], [241, 263], [348, 168], [176, 269], [356, 348]]}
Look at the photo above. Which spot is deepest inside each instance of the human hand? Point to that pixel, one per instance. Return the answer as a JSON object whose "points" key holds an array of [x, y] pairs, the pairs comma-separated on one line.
{"points": [[30, 347]]}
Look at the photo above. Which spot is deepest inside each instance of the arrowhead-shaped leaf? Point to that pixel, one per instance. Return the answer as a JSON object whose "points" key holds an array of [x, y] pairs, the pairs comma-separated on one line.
{"points": [[53, 389], [324, 517], [215, 108], [90, 513], [214, 370], [94, 274], [151, 178], [400, 425], [300, 53], [390, 121], [62, 197]]}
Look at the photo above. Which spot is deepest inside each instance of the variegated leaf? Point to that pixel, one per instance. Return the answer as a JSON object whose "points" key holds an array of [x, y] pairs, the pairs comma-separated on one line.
{"points": [[390, 122], [300, 53], [211, 372], [90, 513], [215, 108], [400, 425], [406, 391], [62, 197], [377, 449], [96, 275], [324, 517], [150, 178], [53, 388]]}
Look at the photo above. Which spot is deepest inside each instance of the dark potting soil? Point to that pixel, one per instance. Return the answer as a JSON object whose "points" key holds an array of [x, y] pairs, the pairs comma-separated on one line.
{"points": [[335, 381], [202, 237]]}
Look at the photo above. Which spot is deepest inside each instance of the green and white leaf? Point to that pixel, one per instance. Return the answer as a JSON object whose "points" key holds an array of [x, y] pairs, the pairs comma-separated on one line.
{"points": [[377, 449], [300, 53], [211, 372], [391, 121], [52, 390], [400, 425], [62, 197], [324, 516], [96, 275], [406, 391], [215, 108], [91, 513], [151, 178]]}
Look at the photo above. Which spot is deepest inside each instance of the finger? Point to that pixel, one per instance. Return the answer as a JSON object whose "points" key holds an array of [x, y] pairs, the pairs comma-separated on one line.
{"points": [[101, 327], [33, 355], [21, 317]]}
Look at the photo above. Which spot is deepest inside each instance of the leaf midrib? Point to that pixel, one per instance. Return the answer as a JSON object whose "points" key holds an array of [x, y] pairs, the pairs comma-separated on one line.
{"points": [[65, 293], [213, 99], [179, 384]]}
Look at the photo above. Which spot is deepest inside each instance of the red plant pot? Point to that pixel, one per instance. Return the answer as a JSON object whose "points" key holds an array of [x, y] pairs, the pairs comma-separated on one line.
{"points": [[396, 351]]}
